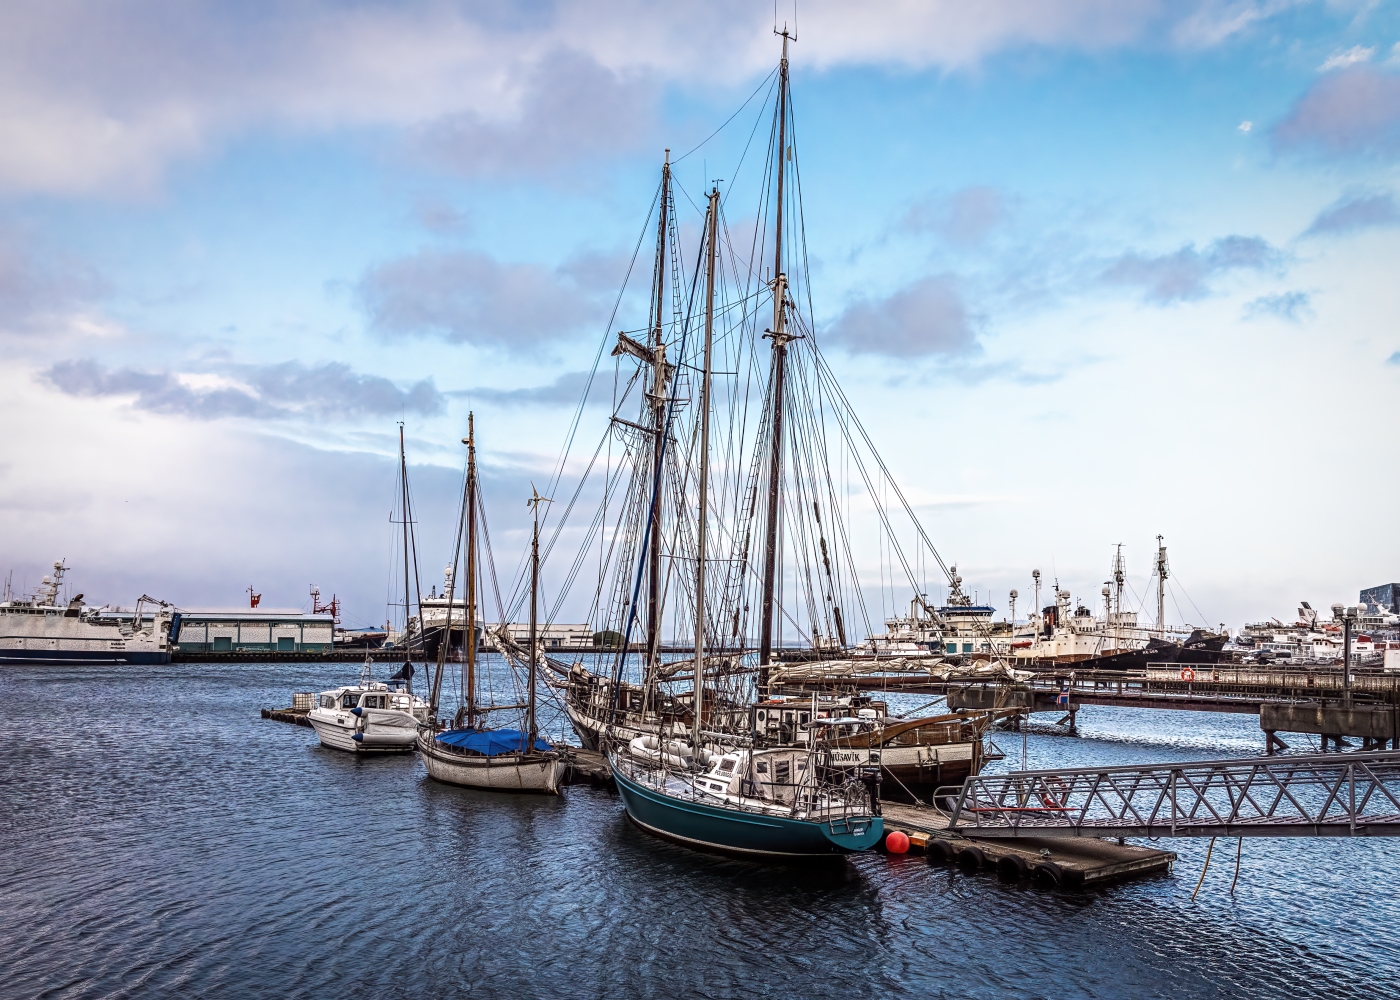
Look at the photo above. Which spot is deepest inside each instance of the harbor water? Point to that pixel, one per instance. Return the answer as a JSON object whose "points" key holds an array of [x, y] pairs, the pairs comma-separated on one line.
{"points": [[159, 839]]}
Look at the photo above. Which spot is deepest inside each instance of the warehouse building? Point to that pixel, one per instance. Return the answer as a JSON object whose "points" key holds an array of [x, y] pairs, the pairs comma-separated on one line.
{"points": [[272, 630]]}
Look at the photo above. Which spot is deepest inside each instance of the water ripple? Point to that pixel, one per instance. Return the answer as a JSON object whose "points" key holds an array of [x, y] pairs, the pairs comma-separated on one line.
{"points": [[158, 839]]}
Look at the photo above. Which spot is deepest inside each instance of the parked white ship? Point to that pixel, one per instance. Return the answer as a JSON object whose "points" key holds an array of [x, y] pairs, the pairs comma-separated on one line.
{"points": [[368, 718], [38, 629]]}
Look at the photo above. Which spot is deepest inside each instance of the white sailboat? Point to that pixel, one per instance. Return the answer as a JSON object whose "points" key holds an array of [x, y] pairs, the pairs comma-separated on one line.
{"points": [[514, 760]]}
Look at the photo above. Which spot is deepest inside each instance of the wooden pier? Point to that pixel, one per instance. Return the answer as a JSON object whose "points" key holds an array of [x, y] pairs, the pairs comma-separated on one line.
{"points": [[1071, 864], [296, 717]]}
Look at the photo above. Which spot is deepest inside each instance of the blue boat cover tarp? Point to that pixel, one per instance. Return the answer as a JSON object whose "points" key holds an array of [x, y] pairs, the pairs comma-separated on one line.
{"points": [[490, 742]]}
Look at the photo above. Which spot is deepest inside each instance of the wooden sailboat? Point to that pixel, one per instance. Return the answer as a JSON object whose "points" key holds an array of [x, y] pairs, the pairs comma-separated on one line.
{"points": [[514, 760], [780, 508], [724, 795]]}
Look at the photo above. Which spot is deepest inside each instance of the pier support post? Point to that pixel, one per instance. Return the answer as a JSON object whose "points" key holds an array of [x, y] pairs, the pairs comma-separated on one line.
{"points": [[1272, 742]]}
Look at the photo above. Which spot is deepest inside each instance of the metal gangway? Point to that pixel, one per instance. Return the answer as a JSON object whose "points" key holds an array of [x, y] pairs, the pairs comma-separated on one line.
{"points": [[1318, 795]]}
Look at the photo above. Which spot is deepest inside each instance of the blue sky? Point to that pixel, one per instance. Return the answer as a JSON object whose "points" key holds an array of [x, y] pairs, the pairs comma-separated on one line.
{"points": [[1090, 271]]}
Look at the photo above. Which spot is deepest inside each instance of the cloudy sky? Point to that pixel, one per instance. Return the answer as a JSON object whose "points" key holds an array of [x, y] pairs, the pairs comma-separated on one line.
{"points": [[1091, 270]]}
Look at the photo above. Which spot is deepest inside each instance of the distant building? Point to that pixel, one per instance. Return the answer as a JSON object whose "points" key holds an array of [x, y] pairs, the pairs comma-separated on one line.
{"points": [[280, 630], [1386, 597], [553, 636]]}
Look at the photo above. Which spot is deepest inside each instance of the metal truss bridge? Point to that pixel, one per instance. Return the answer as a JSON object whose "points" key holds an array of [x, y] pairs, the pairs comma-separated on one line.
{"points": [[1320, 795]]}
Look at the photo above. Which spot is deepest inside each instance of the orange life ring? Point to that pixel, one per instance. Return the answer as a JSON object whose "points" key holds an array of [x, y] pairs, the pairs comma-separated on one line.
{"points": [[1187, 674]]}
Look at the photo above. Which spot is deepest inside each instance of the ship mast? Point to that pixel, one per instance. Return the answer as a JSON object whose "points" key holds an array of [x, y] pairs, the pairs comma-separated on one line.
{"points": [[711, 256], [531, 729], [445, 645], [780, 339], [403, 482], [1161, 587], [1119, 578], [657, 398], [469, 636]]}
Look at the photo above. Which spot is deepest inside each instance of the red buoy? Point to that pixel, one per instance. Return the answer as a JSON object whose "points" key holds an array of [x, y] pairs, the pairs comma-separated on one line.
{"points": [[897, 842]]}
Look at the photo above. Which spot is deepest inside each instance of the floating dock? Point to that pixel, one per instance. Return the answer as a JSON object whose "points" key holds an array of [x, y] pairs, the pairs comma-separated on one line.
{"points": [[296, 717], [1072, 864]]}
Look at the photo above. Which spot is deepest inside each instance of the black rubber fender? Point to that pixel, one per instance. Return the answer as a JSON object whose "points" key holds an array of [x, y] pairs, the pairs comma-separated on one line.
{"points": [[972, 857], [1048, 871], [1012, 868], [939, 849]]}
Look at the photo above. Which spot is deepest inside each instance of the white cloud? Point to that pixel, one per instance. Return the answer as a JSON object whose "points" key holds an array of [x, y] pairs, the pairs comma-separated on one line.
{"points": [[1246, 127], [101, 98], [1348, 57]]}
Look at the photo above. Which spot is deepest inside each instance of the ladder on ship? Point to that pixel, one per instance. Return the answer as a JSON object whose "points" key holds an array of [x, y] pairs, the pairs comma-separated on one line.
{"points": [[1318, 795]]}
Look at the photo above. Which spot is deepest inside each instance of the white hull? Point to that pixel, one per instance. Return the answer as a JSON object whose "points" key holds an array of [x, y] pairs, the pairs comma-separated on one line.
{"points": [[536, 772], [342, 737]]}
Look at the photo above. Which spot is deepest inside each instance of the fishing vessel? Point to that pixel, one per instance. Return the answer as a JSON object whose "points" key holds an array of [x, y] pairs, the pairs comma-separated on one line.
{"points": [[39, 628], [470, 754], [1064, 633]]}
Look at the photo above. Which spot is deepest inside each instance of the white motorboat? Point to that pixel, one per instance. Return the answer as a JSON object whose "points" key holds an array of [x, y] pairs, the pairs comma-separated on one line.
{"points": [[368, 718]]}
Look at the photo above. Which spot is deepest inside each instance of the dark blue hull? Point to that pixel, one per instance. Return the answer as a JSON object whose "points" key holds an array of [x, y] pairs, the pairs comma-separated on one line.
{"points": [[81, 657], [734, 831]]}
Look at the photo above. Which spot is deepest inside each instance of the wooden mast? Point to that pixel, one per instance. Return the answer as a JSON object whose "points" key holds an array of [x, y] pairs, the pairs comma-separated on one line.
{"points": [[531, 729], [469, 637], [445, 646], [403, 482], [658, 409], [711, 256], [780, 338]]}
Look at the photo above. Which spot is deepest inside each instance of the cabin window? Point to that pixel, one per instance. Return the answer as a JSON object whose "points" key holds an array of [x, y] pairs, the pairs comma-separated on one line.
{"points": [[328, 701], [727, 765], [782, 771], [374, 701], [806, 718], [349, 700], [787, 716], [967, 647], [952, 647], [802, 765], [763, 767], [401, 702]]}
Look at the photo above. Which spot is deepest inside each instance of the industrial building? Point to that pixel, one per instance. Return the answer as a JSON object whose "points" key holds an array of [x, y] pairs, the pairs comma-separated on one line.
{"points": [[272, 630]]}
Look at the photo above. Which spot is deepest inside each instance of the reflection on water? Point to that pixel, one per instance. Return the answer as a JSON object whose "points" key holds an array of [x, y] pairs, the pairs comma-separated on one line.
{"points": [[158, 839]]}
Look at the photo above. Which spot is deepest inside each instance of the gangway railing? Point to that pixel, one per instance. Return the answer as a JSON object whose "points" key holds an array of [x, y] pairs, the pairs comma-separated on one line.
{"points": [[1319, 795]]}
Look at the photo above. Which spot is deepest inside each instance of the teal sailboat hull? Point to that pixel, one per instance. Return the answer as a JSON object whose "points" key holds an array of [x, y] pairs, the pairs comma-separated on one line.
{"points": [[737, 831]]}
